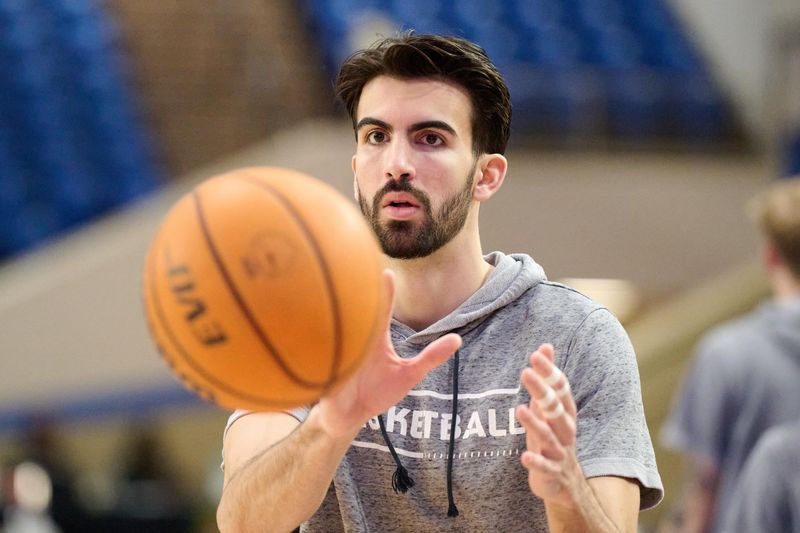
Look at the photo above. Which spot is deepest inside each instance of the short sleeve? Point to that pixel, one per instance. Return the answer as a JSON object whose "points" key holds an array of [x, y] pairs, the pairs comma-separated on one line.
{"points": [[613, 438]]}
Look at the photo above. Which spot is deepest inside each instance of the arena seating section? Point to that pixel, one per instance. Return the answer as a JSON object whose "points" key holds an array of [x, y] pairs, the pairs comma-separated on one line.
{"points": [[72, 145], [577, 69]]}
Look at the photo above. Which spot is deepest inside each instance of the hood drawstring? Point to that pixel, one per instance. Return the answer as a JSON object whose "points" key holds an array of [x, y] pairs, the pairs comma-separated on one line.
{"points": [[401, 480], [452, 510]]}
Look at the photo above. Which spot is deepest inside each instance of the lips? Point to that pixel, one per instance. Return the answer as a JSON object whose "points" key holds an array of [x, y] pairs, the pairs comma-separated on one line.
{"points": [[400, 205], [399, 199]]}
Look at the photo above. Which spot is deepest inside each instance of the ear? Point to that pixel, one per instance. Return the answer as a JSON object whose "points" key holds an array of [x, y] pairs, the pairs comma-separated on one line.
{"points": [[355, 181], [772, 257], [493, 169]]}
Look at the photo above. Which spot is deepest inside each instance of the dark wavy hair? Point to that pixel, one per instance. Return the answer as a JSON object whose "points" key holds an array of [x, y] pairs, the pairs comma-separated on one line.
{"points": [[445, 58]]}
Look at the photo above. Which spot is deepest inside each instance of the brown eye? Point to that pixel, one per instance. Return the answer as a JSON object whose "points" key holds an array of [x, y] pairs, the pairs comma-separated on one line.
{"points": [[376, 137], [432, 139]]}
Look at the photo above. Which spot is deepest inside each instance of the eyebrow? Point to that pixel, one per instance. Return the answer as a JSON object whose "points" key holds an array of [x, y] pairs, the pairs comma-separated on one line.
{"points": [[369, 121], [434, 124]]}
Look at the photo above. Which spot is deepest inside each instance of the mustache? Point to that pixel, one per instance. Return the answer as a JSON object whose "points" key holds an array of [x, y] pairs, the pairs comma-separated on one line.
{"points": [[402, 185]]}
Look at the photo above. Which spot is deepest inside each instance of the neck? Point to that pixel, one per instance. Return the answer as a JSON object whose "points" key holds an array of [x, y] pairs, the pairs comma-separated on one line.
{"points": [[430, 288], [785, 285]]}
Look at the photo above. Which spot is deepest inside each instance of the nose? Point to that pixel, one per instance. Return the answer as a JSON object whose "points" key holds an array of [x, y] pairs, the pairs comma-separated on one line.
{"points": [[399, 161]]}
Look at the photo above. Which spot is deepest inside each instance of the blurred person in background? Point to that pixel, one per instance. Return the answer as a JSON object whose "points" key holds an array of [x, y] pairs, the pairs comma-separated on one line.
{"points": [[744, 377], [25, 497], [42, 449], [767, 496], [149, 496]]}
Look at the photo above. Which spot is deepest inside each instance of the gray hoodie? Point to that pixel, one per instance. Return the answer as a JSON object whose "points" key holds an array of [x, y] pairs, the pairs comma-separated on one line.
{"points": [[743, 380], [514, 312]]}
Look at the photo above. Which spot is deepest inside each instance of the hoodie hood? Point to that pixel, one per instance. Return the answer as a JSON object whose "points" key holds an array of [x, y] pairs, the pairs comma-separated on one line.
{"points": [[781, 320], [512, 276]]}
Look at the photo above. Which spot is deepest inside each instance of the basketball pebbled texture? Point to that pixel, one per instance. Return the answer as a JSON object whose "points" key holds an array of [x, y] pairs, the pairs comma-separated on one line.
{"points": [[262, 289]]}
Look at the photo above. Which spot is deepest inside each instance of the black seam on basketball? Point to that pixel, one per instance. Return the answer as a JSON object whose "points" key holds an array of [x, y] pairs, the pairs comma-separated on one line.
{"points": [[184, 354], [333, 297], [248, 315]]}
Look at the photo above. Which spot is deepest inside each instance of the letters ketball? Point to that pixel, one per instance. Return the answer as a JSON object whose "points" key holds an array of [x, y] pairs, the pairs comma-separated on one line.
{"points": [[262, 288]]}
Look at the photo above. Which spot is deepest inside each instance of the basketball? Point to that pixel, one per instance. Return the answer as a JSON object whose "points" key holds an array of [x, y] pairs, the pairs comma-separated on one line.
{"points": [[263, 289]]}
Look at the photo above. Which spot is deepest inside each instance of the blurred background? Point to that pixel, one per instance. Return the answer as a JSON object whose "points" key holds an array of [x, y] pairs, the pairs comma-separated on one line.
{"points": [[640, 129]]}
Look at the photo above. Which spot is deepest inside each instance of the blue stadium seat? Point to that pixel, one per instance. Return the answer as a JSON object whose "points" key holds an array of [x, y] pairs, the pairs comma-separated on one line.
{"points": [[77, 143], [790, 158], [599, 14], [13, 185], [696, 111], [537, 15], [630, 58], [417, 12], [501, 42], [29, 225], [558, 47], [637, 103], [561, 103], [474, 12]]}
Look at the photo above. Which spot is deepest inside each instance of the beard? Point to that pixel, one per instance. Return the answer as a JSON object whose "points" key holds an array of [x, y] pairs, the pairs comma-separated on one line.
{"points": [[405, 239]]}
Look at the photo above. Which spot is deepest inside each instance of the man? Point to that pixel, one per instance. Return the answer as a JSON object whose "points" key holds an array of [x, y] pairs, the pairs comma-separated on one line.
{"points": [[744, 377], [767, 497], [429, 434]]}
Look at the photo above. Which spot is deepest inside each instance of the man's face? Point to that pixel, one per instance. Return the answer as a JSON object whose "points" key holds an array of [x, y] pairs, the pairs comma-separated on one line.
{"points": [[414, 166]]}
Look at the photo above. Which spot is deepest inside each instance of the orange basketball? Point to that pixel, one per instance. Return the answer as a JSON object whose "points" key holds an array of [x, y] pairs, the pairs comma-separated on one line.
{"points": [[262, 288]]}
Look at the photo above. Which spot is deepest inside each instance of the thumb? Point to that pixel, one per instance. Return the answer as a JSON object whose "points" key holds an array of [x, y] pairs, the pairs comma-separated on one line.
{"points": [[382, 336], [435, 354]]}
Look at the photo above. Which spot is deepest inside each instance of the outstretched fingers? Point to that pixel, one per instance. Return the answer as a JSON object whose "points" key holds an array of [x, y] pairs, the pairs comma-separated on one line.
{"points": [[551, 398], [542, 362], [537, 462], [549, 422], [539, 432], [545, 457]]}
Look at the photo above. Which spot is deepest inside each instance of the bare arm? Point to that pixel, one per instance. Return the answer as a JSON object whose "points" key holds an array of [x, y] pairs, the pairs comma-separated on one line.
{"points": [[262, 471], [603, 504], [573, 503], [277, 472]]}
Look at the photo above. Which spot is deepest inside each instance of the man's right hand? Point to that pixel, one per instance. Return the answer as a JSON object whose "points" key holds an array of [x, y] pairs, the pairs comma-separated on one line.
{"points": [[383, 378], [263, 469]]}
